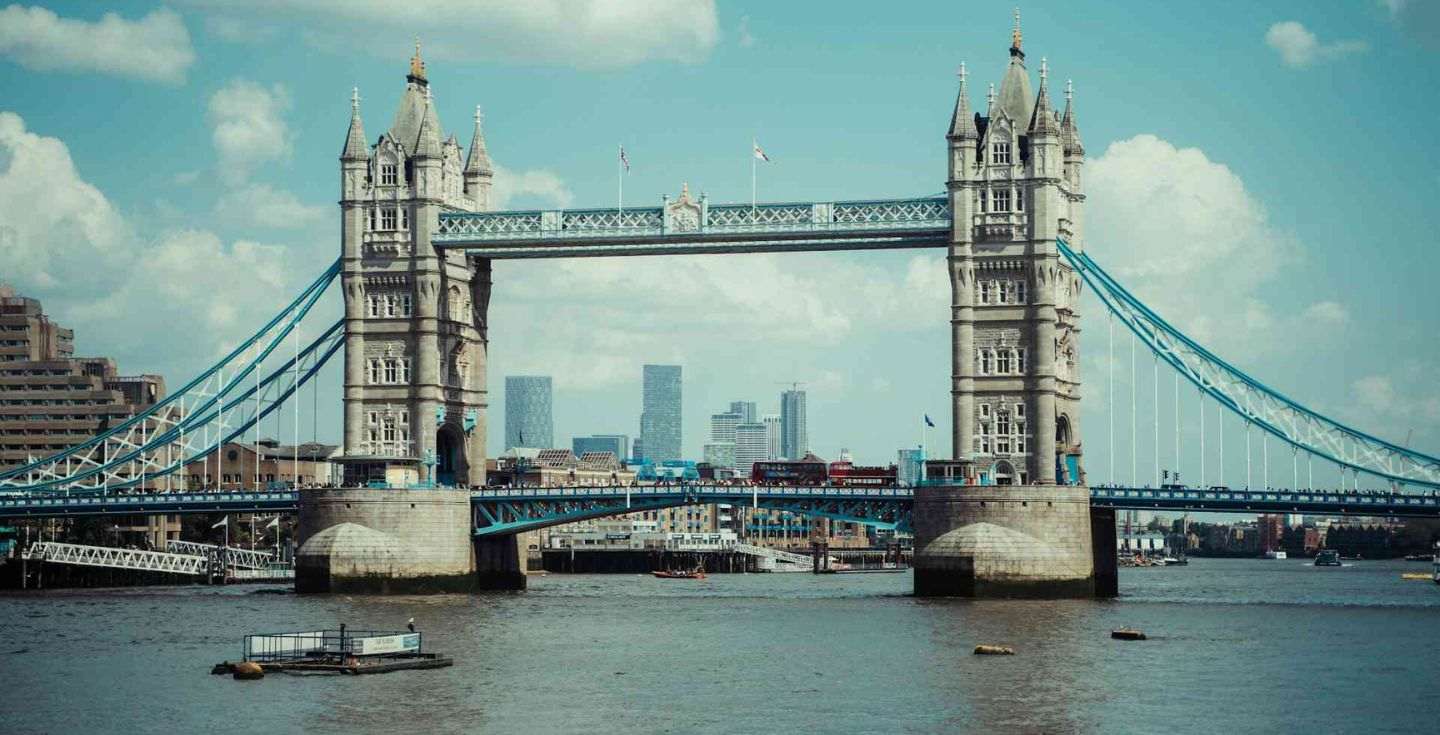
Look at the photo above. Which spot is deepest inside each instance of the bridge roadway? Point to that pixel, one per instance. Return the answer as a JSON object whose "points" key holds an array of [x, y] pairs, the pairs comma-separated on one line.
{"points": [[511, 510]]}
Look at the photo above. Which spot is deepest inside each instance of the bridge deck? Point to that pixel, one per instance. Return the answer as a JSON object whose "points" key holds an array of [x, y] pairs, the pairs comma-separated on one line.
{"points": [[534, 502]]}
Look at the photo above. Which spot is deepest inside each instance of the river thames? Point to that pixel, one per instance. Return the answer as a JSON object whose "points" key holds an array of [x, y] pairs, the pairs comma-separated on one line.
{"points": [[1236, 646]]}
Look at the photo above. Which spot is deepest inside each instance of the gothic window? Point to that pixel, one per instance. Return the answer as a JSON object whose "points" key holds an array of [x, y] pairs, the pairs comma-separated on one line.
{"points": [[404, 364], [388, 174], [1020, 292], [984, 292], [984, 444], [456, 303], [404, 218], [981, 208], [387, 218], [374, 378], [387, 430], [1001, 199], [984, 410], [1002, 444], [1002, 362], [392, 375], [405, 304], [1000, 152], [390, 305], [1020, 443], [372, 303], [1019, 411], [987, 360], [1002, 425], [370, 220], [1019, 200], [1020, 362]]}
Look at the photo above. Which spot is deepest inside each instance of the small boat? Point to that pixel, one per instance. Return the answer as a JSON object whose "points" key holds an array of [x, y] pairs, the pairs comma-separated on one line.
{"points": [[1275, 555], [1328, 558], [1417, 557], [1171, 561], [696, 573]]}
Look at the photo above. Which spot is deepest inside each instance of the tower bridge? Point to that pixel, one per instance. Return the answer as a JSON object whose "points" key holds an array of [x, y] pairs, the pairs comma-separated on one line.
{"points": [[1009, 512]]}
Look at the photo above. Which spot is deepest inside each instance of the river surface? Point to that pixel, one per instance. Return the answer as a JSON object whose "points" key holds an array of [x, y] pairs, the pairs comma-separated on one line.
{"points": [[1236, 646]]}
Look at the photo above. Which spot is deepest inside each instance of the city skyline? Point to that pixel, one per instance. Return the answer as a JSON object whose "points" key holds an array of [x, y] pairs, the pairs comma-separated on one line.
{"points": [[247, 176]]}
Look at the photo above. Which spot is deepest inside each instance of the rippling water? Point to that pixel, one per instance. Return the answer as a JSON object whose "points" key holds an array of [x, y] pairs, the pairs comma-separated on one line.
{"points": [[1237, 646]]}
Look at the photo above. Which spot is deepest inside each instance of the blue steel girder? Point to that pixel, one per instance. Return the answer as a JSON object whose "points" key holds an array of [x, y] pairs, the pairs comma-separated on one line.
{"points": [[1255, 402], [521, 510], [1224, 500], [731, 228], [63, 506]]}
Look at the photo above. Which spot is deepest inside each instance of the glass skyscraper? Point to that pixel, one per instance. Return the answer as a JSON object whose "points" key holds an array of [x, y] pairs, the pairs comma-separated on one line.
{"points": [[617, 444], [794, 440], [527, 412], [660, 413]]}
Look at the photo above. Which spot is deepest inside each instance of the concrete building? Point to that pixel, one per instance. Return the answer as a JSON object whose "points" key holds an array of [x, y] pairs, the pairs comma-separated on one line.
{"points": [[745, 409], [772, 435], [720, 454], [751, 445], [660, 415], [794, 436], [616, 444], [268, 464], [51, 400], [528, 411]]}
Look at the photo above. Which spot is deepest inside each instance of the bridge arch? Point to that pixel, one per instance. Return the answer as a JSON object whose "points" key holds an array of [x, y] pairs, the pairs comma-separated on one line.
{"points": [[449, 455]]}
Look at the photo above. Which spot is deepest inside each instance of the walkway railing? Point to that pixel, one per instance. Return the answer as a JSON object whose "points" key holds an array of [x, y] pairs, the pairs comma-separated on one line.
{"points": [[113, 558]]}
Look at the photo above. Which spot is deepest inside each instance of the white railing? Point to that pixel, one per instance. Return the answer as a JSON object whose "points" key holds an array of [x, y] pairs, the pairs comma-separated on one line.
{"points": [[105, 556], [236, 557]]}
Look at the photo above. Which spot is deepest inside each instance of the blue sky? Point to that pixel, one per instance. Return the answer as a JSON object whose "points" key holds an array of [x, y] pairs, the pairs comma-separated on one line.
{"points": [[1262, 173]]}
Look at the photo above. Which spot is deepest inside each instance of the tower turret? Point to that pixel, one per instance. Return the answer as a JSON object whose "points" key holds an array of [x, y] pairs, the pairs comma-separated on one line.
{"points": [[1015, 97], [963, 133], [355, 156], [478, 170]]}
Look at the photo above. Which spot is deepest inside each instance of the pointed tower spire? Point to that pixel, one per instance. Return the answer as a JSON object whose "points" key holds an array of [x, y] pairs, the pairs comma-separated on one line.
{"points": [[1069, 133], [962, 123], [478, 161], [1043, 120], [355, 148], [428, 143], [990, 101]]}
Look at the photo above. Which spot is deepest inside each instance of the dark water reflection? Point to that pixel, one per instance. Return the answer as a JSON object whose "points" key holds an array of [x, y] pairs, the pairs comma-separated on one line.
{"points": [[1239, 646]]}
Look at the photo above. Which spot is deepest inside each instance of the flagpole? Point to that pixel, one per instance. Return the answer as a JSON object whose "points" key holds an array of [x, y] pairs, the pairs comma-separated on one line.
{"points": [[753, 145], [620, 177]]}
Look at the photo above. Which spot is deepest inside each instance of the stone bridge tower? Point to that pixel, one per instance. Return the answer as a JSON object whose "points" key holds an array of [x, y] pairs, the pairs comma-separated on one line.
{"points": [[1022, 524], [415, 347], [415, 337]]}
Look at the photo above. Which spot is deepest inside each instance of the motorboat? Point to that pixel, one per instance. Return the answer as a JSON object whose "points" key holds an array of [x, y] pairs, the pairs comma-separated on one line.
{"points": [[1328, 558], [696, 573]]}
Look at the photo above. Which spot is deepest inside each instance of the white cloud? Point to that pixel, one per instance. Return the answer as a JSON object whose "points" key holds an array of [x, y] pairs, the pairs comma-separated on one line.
{"points": [[154, 48], [747, 39], [1299, 48], [538, 187], [581, 33], [248, 127], [185, 293], [1328, 313], [1184, 233], [262, 205]]}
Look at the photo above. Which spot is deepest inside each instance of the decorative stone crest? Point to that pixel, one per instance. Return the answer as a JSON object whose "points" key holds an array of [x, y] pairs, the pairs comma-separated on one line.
{"points": [[683, 214]]}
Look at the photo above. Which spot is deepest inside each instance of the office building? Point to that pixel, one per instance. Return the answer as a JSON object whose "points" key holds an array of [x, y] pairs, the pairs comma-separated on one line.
{"points": [[910, 465], [772, 435], [794, 440], [616, 444], [720, 454], [746, 410], [722, 426], [751, 445], [660, 418], [528, 412]]}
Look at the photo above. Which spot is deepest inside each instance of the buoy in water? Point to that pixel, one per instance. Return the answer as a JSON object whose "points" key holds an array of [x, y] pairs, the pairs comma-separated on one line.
{"points": [[246, 670], [984, 650], [1127, 634]]}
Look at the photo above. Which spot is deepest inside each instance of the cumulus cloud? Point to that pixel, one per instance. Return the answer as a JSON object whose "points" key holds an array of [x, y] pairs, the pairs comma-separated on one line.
{"points": [[1299, 48], [581, 33], [262, 205], [64, 242], [1165, 219], [154, 48], [249, 128], [531, 188]]}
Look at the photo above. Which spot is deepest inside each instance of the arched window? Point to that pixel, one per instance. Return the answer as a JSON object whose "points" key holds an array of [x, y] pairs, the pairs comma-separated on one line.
{"points": [[456, 302]]}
